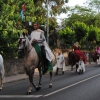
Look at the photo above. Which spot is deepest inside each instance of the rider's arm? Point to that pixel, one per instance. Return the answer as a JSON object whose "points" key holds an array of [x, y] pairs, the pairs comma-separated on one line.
{"points": [[42, 38]]}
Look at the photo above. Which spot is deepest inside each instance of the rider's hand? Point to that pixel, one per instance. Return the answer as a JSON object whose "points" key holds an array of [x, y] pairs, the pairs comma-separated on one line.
{"points": [[34, 40]]}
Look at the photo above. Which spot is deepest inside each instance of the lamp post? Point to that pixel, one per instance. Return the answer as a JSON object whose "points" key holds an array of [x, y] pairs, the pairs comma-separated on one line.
{"points": [[47, 24]]}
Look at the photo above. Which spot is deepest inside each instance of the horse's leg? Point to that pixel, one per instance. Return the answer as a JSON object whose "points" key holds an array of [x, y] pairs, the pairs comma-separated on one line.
{"points": [[57, 71], [77, 67], [50, 85], [31, 80], [96, 62], [40, 76], [30, 86], [71, 68], [30, 89], [31, 83], [0, 83]]}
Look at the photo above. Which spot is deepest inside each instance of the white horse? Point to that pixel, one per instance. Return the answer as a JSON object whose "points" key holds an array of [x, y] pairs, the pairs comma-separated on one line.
{"points": [[1, 71], [31, 61]]}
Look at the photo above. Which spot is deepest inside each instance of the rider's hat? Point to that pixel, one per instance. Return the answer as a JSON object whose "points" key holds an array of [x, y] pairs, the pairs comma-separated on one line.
{"points": [[76, 44]]}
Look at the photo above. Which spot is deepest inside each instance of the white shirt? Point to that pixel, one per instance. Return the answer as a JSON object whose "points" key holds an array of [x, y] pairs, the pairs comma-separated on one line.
{"points": [[38, 35]]}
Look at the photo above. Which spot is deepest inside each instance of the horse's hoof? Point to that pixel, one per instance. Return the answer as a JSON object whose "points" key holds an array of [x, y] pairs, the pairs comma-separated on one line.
{"points": [[50, 86], [28, 93], [38, 88], [0, 88]]}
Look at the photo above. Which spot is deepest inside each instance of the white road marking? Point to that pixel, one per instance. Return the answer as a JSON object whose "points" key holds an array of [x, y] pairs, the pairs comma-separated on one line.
{"points": [[37, 96], [20, 96], [70, 85]]}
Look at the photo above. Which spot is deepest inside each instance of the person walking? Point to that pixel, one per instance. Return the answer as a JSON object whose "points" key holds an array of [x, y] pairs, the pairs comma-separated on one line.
{"points": [[60, 62]]}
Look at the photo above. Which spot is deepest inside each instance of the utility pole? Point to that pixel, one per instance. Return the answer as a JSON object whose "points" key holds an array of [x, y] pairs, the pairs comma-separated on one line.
{"points": [[47, 23]]}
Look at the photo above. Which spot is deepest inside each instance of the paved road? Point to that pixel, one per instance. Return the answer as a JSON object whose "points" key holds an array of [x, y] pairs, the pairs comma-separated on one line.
{"points": [[69, 86]]}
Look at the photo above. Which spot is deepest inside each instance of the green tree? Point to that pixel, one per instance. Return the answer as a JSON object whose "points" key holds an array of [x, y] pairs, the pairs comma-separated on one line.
{"points": [[67, 36], [9, 12], [81, 14], [81, 31], [93, 34]]}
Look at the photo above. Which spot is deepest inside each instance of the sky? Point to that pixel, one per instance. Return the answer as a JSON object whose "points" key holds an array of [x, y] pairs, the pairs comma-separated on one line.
{"points": [[75, 2], [71, 3]]}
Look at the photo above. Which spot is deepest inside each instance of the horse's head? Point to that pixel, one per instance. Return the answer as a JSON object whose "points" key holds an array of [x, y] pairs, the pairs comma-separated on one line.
{"points": [[22, 44]]}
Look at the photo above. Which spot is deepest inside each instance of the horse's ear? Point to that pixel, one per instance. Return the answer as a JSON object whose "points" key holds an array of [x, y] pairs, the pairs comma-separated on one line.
{"points": [[23, 34], [18, 34]]}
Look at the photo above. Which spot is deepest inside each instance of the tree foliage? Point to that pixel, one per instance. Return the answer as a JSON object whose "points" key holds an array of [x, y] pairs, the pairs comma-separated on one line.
{"points": [[94, 34], [67, 36], [36, 10], [85, 21], [81, 31]]}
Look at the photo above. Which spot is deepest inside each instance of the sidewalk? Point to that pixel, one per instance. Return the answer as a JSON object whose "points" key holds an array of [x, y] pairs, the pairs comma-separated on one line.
{"points": [[24, 76]]}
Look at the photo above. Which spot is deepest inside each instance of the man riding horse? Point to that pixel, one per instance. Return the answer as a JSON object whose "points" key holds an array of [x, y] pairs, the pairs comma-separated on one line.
{"points": [[76, 57], [97, 51], [39, 42], [78, 52], [96, 54]]}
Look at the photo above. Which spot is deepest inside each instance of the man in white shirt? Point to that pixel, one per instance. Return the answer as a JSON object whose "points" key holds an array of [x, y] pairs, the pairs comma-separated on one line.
{"points": [[37, 36]]}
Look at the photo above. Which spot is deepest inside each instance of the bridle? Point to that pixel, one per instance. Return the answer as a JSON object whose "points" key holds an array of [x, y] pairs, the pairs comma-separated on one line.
{"points": [[24, 46]]}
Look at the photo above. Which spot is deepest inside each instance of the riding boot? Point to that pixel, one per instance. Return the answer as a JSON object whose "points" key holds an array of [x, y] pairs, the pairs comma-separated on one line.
{"points": [[45, 61], [57, 71]]}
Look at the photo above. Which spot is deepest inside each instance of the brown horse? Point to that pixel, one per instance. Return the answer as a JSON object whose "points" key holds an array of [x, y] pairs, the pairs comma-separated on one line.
{"points": [[31, 61], [73, 59]]}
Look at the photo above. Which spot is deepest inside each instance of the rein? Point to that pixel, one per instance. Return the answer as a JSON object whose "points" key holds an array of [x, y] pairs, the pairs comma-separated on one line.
{"points": [[29, 50]]}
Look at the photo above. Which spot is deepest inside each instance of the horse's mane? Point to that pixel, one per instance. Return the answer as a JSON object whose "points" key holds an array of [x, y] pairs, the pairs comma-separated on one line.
{"points": [[27, 39]]}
